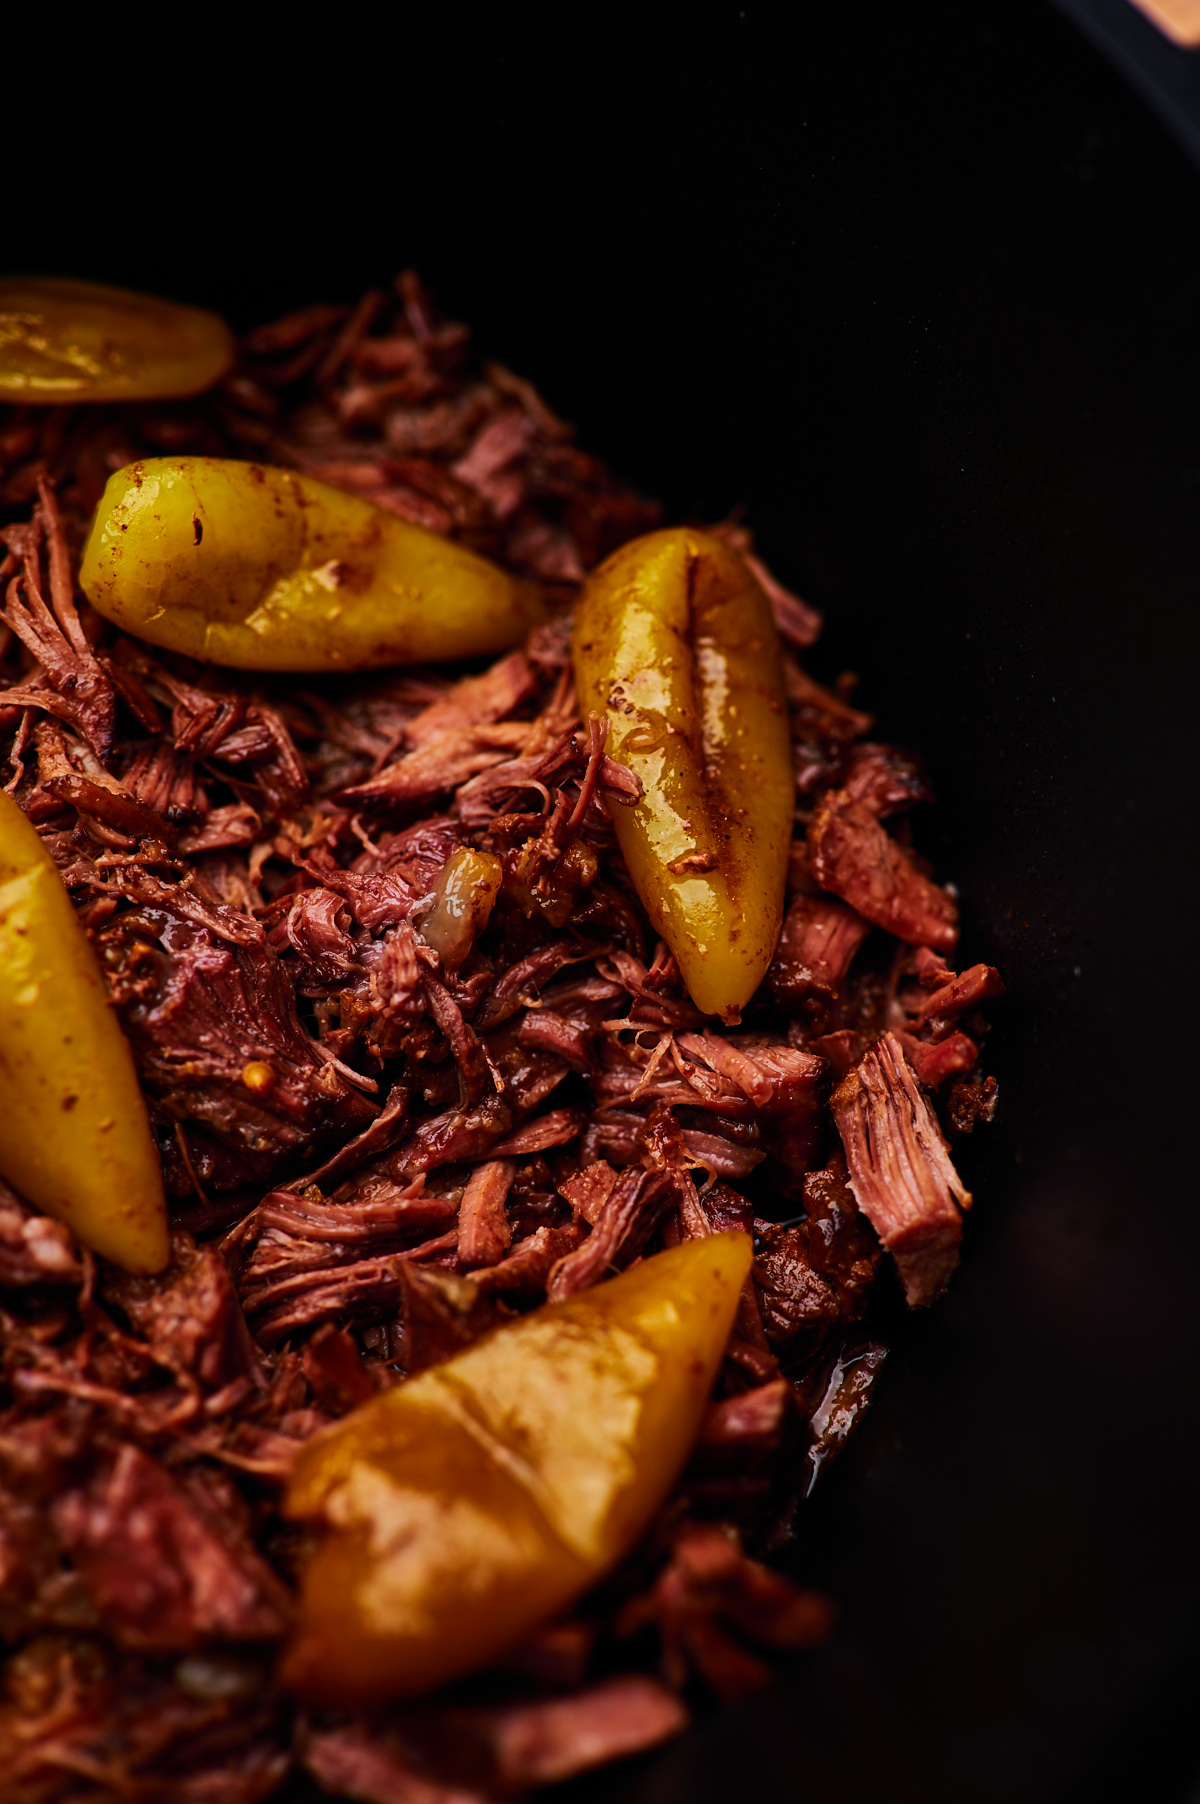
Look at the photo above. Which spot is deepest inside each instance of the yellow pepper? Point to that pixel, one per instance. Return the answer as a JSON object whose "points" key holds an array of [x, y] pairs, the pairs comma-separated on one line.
{"points": [[74, 1137], [259, 568], [78, 341], [474, 1502], [676, 647]]}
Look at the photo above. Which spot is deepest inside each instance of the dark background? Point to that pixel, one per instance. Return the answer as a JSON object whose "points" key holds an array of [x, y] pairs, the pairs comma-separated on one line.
{"points": [[920, 287]]}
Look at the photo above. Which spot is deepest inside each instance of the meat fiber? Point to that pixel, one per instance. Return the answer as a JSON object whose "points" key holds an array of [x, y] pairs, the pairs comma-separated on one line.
{"points": [[900, 1169], [853, 856], [165, 1572], [816, 946]]}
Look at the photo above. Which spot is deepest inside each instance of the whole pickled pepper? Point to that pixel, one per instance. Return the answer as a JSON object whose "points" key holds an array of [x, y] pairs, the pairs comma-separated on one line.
{"points": [[64, 341], [676, 647], [74, 1135], [464, 1507], [259, 568]]}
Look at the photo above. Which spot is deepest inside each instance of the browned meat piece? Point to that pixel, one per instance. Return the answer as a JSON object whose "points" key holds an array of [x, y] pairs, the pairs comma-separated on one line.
{"points": [[708, 1592], [316, 927], [818, 940], [509, 1747], [751, 1422], [793, 1296], [900, 1169], [34, 1249], [971, 1103], [110, 805], [159, 776], [720, 1157], [164, 1570], [497, 1749], [439, 1315], [817, 1272], [525, 1273], [726, 1209], [191, 1317], [555, 1128], [225, 727], [388, 1127], [545, 1031], [437, 766], [821, 713], [721, 1055], [458, 1134], [475, 701], [370, 1212], [883, 779], [929, 967], [334, 1368], [853, 856], [509, 990], [793, 1073], [793, 1119], [77, 1722], [485, 467], [671, 1074], [198, 1013], [554, 753], [373, 1767], [589, 1190], [421, 1316], [624, 1223], [936, 1060], [366, 1289], [968, 991], [474, 1074], [382, 884], [235, 825], [484, 1232], [842, 1049], [75, 687]]}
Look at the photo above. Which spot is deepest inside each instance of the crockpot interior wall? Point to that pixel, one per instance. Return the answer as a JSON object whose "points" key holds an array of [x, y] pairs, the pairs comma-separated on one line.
{"points": [[920, 289]]}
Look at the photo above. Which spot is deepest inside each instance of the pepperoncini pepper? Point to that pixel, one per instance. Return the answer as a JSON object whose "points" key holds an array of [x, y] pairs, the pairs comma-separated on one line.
{"points": [[74, 1137], [478, 1499], [259, 568], [64, 341], [676, 647]]}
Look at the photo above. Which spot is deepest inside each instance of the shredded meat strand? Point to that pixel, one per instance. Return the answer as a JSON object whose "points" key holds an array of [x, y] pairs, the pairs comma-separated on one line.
{"points": [[900, 1169]]}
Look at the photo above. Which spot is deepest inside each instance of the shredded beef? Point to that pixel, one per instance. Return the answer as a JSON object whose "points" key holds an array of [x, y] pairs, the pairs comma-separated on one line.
{"points": [[710, 1599], [813, 1274], [816, 947], [508, 1747], [376, 1154], [374, 1768], [164, 1571], [853, 856], [900, 1169], [34, 1249], [484, 1231]]}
